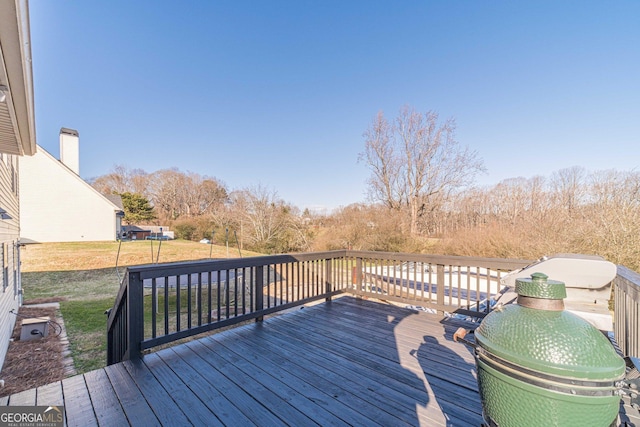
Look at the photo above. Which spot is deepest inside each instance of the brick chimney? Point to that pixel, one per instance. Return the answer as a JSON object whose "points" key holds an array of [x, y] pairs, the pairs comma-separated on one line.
{"points": [[70, 149]]}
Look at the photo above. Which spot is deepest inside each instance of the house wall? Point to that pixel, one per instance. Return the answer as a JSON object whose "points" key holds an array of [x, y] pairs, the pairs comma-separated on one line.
{"points": [[10, 286], [58, 206]]}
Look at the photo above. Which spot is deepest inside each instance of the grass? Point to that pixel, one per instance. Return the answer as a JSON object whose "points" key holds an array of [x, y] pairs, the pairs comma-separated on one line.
{"points": [[85, 322], [83, 277]]}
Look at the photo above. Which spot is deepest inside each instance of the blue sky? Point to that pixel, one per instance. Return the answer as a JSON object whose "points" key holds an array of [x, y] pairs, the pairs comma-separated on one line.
{"points": [[279, 93]]}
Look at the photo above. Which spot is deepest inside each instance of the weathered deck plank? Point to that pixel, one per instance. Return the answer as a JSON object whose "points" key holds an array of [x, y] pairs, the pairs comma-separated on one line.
{"points": [[327, 381], [160, 402], [350, 362], [78, 408], [189, 402], [273, 399], [385, 366], [105, 403], [24, 398], [230, 403], [311, 390], [335, 386], [133, 402], [50, 395]]}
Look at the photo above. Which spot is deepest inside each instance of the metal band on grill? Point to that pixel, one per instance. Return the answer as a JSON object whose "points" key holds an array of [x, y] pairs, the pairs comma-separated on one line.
{"points": [[575, 387]]}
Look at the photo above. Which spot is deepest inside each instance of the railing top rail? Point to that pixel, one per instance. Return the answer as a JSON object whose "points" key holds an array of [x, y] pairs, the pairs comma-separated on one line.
{"points": [[198, 266], [112, 312], [495, 263]]}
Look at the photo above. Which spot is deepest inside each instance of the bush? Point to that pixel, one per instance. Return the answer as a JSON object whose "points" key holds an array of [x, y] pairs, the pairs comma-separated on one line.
{"points": [[185, 230]]}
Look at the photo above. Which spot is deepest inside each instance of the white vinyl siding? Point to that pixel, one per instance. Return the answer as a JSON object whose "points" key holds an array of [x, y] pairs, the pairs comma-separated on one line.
{"points": [[58, 206], [9, 251]]}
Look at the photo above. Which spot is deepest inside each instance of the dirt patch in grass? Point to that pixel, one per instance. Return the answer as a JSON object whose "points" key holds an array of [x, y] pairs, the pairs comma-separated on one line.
{"points": [[34, 363]]}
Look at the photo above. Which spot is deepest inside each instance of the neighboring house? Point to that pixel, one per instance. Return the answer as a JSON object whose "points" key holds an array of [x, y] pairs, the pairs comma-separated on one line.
{"points": [[133, 232], [154, 232], [17, 138], [59, 206]]}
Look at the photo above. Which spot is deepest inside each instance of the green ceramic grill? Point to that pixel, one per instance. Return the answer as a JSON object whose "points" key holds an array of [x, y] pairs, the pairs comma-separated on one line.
{"points": [[539, 365]]}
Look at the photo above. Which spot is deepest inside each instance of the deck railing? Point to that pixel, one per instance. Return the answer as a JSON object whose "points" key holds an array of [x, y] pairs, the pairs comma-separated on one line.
{"points": [[626, 318], [463, 285], [161, 303]]}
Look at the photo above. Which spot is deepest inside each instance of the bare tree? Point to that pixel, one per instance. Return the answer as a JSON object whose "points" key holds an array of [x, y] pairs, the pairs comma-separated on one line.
{"points": [[122, 180], [266, 220], [569, 187], [166, 191], [380, 156], [176, 194], [416, 163]]}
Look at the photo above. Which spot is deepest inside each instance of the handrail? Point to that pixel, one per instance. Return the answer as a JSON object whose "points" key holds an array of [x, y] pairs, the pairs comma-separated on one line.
{"points": [[626, 318], [161, 303]]}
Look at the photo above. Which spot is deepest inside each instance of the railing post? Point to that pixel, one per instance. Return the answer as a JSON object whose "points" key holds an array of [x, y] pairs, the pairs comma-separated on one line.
{"points": [[327, 279], [358, 274], [111, 342], [259, 291], [440, 286], [135, 313]]}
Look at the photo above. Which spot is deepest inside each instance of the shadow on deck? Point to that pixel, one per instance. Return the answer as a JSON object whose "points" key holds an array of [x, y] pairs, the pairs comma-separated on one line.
{"points": [[348, 362]]}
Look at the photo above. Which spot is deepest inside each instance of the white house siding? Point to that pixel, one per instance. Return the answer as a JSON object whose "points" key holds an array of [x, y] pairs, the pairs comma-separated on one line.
{"points": [[58, 206], [10, 287]]}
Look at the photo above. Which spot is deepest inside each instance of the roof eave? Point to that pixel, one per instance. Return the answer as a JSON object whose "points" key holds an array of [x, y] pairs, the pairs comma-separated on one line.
{"points": [[17, 116]]}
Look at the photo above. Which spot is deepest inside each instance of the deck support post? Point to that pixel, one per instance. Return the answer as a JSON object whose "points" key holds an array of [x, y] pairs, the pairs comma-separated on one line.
{"points": [[259, 291], [135, 314], [358, 283], [440, 287], [327, 278]]}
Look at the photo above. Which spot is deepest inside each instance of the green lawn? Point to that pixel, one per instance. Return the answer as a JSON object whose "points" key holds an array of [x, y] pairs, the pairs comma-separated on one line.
{"points": [[82, 276]]}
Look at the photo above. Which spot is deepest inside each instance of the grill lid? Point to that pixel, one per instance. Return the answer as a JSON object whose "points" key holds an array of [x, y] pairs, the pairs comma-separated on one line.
{"points": [[546, 339]]}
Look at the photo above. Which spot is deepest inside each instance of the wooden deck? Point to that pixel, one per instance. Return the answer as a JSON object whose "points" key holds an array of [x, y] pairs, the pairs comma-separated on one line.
{"points": [[348, 362]]}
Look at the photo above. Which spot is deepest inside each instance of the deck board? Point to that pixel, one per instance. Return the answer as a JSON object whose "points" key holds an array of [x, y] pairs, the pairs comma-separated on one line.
{"points": [[311, 390], [368, 384], [50, 395], [161, 402], [133, 403], [24, 398], [78, 408], [189, 402], [105, 403], [349, 362], [338, 387], [209, 392], [384, 365], [255, 383]]}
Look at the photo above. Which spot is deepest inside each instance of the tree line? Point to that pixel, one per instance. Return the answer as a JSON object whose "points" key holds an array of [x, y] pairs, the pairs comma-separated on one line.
{"points": [[422, 198], [197, 206]]}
